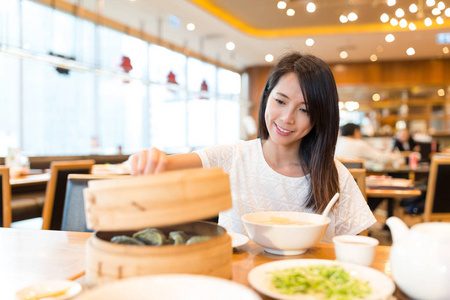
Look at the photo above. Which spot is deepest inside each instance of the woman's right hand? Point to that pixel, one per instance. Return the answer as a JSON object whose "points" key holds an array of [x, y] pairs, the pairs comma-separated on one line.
{"points": [[149, 161]]}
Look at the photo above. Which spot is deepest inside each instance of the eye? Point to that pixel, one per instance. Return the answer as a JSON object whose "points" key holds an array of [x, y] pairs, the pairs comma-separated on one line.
{"points": [[279, 101], [304, 110]]}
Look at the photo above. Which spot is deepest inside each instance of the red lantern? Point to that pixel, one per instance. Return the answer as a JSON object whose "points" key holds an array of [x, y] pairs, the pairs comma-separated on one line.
{"points": [[203, 88], [126, 64], [171, 78]]}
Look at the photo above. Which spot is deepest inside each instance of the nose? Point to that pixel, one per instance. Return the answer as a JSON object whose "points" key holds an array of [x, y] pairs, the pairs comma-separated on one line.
{"points": [[288, 116]]}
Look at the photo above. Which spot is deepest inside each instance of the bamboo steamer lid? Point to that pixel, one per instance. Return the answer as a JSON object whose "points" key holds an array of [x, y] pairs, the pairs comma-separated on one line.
{"points": [[167, 198]]}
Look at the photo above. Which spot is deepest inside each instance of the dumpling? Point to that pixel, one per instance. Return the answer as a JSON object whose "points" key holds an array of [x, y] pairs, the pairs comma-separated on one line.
{"points": [[178, 237], [151, 236], [126, 240], [198, 239]]}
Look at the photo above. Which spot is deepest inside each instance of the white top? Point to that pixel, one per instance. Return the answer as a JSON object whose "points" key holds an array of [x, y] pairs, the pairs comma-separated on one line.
{"points": [[255, 186], [357, 148]]}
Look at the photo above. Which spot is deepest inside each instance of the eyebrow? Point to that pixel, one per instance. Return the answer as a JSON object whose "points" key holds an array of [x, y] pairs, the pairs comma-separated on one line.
{"points": [[285, 96], [281, 94]]}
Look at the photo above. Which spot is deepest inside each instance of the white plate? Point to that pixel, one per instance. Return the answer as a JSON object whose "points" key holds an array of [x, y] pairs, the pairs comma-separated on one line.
{"points": [[238, 239], [171, 287], [65, 289], [382, 286]]}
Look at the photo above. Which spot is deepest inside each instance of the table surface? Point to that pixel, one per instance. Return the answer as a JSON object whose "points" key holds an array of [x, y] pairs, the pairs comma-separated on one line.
{"points": [[31, 256], [392, 193], [30, 179]]}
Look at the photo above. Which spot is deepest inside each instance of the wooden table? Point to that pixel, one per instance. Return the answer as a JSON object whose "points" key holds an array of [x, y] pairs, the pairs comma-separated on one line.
{"points": [[394, 197], [31, 179], [251, 255], [395, 172], [31, 256]]}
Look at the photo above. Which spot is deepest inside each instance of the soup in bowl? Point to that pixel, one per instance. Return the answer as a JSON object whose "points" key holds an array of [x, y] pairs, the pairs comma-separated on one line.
{"points": [[285, 232]]}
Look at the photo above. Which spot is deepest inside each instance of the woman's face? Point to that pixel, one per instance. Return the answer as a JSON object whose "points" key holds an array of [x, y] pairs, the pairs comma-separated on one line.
{"points": [[287, 119]]}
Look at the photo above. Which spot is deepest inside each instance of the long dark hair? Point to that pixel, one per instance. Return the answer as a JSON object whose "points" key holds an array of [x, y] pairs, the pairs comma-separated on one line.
{"points": [[317, 147]]}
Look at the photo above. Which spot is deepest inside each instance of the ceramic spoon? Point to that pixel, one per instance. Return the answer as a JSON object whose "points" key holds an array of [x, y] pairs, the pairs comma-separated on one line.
{"points": [[329, 206]]}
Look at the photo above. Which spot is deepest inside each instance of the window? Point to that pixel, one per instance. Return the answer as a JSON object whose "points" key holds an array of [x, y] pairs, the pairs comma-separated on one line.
{"points": [[87, 89]]}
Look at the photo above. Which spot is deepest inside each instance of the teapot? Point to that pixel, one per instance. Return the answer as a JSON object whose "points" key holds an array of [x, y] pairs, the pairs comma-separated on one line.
{"points": [[420, 258]]}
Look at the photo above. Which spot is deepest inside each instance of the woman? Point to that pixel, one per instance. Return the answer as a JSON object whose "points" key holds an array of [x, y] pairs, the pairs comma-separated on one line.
{"points": [[291, 165]]}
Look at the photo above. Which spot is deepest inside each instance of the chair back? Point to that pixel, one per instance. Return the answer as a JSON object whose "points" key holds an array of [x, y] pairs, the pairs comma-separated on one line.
{"points": [[74, 218], [360, 177], [55, 192], [437, 201], [5, 194], [353, 163]]}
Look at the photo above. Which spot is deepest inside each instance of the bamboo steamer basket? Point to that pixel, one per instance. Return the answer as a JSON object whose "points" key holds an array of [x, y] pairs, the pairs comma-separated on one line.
{"points": [[170, 201]]}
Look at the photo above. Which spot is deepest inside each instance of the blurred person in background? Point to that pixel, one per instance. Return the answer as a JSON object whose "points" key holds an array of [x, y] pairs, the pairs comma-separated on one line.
{"points": [[350, 145], [404, 142]]}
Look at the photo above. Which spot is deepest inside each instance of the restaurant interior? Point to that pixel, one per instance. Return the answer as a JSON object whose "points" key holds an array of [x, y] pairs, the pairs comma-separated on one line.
{"points": [[84, 84]]}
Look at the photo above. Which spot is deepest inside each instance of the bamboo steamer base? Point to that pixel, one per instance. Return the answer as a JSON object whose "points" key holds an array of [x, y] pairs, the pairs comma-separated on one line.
{"points": [[106, 261]]}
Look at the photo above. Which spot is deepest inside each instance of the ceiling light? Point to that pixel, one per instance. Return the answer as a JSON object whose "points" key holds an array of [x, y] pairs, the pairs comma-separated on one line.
{"points": [[380, 48], [403, 23], [230, 46], [436, 11], [412, 26], [343, 19], [373, 57], [447, 12], [311, 7], [389, 38], [439, 20], [376, 97], [441, 5], [384, 18], [290, 12], [269, 58], [309, 42], [428, 22], [394, 22], [413, 8], [352, 16], [441, 92], [190, 26], [431, 2], [445, 50], [391, 2], [281, 5], [410, 51], [399, 12], [343, 54]]}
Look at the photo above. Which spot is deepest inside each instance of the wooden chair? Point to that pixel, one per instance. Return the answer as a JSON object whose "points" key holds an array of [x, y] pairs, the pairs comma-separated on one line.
{"points": [[55, 192], [74, 218], [353, 163], [437, 201], [360, 177], [5, 193]]}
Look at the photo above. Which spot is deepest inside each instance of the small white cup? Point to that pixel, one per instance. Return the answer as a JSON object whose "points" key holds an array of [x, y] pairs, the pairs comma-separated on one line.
{"points": [[355, 249]]}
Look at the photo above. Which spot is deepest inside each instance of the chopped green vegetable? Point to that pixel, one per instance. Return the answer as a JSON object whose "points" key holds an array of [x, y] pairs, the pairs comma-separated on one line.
{"points": [[324, 282]]}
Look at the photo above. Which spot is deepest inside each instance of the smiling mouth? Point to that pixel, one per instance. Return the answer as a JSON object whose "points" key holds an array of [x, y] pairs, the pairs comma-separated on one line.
{"points": [[281, 129]]}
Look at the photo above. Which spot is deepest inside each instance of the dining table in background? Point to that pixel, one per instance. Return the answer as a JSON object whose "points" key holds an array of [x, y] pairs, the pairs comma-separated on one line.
{"points": [[29, 179], [404, 171], [33, 256]]}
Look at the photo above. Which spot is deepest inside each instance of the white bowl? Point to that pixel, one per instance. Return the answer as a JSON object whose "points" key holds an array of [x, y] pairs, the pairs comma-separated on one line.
{"points": [[285, 239]]}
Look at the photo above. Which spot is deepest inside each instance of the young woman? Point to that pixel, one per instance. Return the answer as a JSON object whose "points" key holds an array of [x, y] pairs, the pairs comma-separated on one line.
{"points": [[290, 166]]}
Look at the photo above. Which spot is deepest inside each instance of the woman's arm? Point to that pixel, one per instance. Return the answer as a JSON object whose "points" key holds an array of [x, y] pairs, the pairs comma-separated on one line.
{"points": [[153, 160]]}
